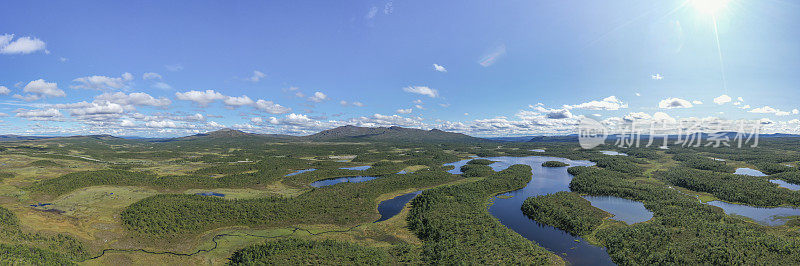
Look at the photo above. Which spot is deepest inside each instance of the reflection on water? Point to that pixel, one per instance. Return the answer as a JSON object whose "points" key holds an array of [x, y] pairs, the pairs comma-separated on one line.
{"points": [[785, 184], [765, 216], [211, 194], [334, 181], [537, 150], [748, 171], [628, 211], [545, 180], [300, 172], [359, 168], [391, 207]]}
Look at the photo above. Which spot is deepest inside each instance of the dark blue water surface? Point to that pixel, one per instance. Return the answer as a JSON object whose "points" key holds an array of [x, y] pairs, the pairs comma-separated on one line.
{"points": [[628, 211], [546, 180], [391, 207], [334, 181], [300, 172]]}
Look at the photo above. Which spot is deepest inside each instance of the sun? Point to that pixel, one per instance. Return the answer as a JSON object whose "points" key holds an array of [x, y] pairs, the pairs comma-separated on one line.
{"points": [[710, 7]]}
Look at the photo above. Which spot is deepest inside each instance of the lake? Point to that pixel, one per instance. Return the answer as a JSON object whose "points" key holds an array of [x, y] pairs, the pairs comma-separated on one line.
{"points": [[545, 180], [359, 168], [300, 172], [334, 181], [784, 184], [628, 211], [765, 216], [613, 153], [748, 171], [391, 207]]}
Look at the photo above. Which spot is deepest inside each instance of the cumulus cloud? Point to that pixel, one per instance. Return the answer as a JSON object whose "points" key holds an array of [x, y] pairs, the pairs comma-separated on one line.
{"points": [[638, 116], [257, 76], [202, 98], [439, 68], [547, 113], [22, 45], [491, 57], [39, 88], [50, 114], [4, 90], [318, 97], [656, 76], [106, 108], [422, 90], [238, 101], [610, 103], [671, 103], [103, 82], [133, 99], [404, 111], [722, 99], [270, 107], [696, 102], [770, 110]]}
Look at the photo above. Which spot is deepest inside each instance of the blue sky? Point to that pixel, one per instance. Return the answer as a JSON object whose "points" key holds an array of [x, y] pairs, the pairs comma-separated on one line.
{"points": [[487, 68]]}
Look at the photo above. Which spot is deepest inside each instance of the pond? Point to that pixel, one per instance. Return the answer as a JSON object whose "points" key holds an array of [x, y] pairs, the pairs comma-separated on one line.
{"points": [[359, 168], [300, 172], [628, 211], [211, 194], [766, 216], [784, 184], [748, 171], [613, 153], [546, 180], [391, 207], [334, 181], [537, 150]]}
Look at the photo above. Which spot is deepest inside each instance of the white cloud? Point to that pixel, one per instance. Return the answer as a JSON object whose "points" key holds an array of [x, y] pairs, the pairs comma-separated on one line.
{"points": [[318, 97], [404, 111], [133, 99], [663, 118], [638, 94], [39, 88], [722, 99], [491, 57], [696, 102], [358, 104], [4, 90], [150, 75], [202, 98], [656, 76], [637, 116], [103, 82], [162, 86], [671, 103], [422, 90], [50, 114], [770, 110], [161, 124], [238, 101], [257, 76], [439, 68], [610, 103], [22, 45], [270, 107], [106, 108], [548, 113]]}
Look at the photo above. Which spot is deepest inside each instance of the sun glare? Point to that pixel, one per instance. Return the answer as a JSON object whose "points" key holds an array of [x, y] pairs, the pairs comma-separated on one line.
{"points": [[709, 6]]}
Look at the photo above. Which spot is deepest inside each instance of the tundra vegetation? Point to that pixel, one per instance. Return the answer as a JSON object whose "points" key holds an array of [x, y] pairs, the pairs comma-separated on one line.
{"points": [[107, 200]]}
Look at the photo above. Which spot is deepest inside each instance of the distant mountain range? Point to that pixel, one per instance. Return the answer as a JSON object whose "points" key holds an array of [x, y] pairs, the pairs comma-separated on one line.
{"points": [[353, 134]]}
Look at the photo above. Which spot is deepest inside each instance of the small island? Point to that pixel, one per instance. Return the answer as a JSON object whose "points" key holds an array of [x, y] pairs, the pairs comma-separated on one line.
{"points": [[554, 164]]}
